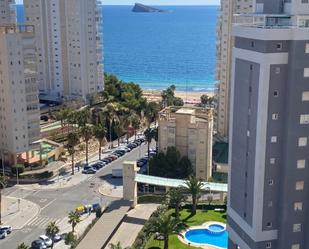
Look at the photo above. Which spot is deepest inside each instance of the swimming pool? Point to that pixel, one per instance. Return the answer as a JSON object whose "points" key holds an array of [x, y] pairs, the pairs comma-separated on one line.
{"points": [[214, 234]]}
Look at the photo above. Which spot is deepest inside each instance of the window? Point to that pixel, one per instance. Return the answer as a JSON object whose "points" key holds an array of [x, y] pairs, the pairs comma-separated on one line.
{"points": [[307, 48], [301, 164], [270, 182], [296, 228], [275, 116], [300, 185], [302, 141], [277, 70], [276, 93], [273, 139], [269, 224], [295, 246], [304, 119], [268, 245], [298, 206], [279, 46], [272, 160], [305, 96], [252, 44], [306, 72]]}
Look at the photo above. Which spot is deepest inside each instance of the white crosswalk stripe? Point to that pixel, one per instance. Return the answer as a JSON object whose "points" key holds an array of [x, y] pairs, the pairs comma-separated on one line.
{"points": [[41, 221]]}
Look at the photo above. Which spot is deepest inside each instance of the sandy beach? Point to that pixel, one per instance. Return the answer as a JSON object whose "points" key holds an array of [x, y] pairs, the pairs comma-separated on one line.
{"points": [[188, 97]]}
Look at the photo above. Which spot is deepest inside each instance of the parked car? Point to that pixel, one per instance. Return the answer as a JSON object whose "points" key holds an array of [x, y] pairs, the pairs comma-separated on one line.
{"points": [[140, 163], [47, 241], [3, 234], [38, 244], [57, 238], [113, 156], [107, 160], [126, 149], [7, 229], [89, 170], [132, 145], [119, 152]]}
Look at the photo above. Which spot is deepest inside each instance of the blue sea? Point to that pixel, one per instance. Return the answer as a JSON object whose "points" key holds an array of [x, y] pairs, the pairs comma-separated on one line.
{"points": [[156, 50]]}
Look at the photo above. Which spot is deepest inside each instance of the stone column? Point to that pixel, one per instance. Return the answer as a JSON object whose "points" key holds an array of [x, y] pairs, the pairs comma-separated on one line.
{"points": [[129, 183]]}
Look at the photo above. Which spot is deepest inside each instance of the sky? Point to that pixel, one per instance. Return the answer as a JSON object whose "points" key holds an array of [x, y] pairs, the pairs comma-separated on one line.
{"points": [[156, 2]]}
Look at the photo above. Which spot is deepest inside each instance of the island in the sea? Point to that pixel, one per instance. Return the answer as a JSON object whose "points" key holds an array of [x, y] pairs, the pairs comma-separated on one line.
{"points": [[138, 7]]}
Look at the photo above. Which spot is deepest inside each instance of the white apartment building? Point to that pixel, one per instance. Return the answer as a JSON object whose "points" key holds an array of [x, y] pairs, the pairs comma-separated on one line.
{"points": [[190, 130], [7, 12], [224, 54], [19, 108], [69, 46]]}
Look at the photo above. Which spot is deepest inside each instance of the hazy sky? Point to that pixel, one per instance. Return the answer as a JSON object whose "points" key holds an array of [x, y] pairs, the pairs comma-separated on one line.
{"points": [[157, 2]]}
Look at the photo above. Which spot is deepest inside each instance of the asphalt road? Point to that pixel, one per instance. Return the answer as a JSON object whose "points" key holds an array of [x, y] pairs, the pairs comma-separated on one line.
{"points": [[56, 204]]}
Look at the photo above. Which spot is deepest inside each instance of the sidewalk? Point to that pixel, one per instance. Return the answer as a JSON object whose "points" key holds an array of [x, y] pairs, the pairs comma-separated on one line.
{"points": [[132, 225], [65, 227], [18, 212]]}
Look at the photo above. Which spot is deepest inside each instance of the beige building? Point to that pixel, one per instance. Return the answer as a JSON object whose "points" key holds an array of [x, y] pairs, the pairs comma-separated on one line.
{"points": [[69, 46], [19, 108], [190, 130], [7, 12], [225, 44]]}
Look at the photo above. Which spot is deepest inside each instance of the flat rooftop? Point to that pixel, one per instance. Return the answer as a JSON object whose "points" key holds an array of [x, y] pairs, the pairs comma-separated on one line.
{"points": [[186, 111]]}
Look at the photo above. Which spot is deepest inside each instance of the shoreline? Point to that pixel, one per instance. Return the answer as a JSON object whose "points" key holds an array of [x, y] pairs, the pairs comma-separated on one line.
{"points": [[187, 97]]}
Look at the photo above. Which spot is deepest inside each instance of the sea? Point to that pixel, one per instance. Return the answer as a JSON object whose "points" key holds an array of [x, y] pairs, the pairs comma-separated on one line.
{"points": [[156, 50]]}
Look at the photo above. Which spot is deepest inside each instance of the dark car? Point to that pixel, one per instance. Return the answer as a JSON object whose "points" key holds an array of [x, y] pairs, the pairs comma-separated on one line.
{"points": [[44, 118], [96, 166], [132, 145], [119, 152], [38, 244], [107, 160]]}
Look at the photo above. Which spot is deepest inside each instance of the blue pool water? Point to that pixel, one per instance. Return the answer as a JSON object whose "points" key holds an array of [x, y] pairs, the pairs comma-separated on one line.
{"points": [[216, 228], [203, 236]]}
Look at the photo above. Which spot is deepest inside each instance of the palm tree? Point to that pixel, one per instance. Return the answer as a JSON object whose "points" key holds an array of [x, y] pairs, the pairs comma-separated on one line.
{"points": [[70, 239], [194, 187], [73, 140], [86, 132], [22, 246], [2, 186], [99, 132], [176, 197], [166, 225], [111, 116], [51, 230], [151, 112], [72, 119], [74, 219], [135, 123], [117, 246], [119, 130], [149, 136], [62, 116]]}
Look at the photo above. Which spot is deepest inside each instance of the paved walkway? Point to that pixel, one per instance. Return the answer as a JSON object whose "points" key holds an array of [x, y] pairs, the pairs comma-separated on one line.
{"points": [[18, 212], [100, 234], [111, 190], [132, 225]]}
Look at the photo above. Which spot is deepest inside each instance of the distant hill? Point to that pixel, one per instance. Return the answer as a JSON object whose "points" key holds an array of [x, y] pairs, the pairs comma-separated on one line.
{"points": [[138, 7]]}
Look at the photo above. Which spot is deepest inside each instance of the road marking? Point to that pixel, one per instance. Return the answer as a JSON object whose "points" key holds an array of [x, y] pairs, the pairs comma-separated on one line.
{"points": [[42, 221], [48, 204]]}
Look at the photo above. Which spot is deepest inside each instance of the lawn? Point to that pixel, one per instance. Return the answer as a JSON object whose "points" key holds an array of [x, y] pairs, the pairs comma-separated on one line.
{"points": [[201, 217]]}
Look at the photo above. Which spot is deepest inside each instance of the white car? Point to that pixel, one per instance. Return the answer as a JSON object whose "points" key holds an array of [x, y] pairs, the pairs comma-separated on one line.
{"points": [[3, 234], [47, 241]]}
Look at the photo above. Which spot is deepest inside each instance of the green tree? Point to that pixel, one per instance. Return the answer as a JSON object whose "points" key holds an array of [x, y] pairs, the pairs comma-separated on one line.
{"points": [[2, 186], [51, 230], [178, 101], [99, 132], [206, 100], [119, 130], [135, 123], [149, 134], [176, 196], [70, 239], [74, 219], [151, 112], [73, 140], [62, 116], [86, 132], [115, 246], [194, 188], [22, 246], [111, 116], [166, 225]]}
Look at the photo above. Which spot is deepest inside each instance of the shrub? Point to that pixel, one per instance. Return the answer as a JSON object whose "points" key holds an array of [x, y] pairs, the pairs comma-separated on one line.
{"points": [[18, 168]]}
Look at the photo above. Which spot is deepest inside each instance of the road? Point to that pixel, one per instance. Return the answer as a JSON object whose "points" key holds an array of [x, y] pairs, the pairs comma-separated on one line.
{"points": [[56, 204]]}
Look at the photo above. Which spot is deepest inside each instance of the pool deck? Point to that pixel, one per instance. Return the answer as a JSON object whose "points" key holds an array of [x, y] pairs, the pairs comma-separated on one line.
{"points": [[203, 226]]}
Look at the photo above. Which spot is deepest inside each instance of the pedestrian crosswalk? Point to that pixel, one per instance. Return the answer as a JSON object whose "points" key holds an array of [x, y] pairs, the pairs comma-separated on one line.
{"points": [[42, 221]]}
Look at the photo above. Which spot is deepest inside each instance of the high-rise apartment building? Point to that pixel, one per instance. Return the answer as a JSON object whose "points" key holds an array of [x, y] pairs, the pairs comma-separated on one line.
{"points": [[69, 46], [190, 131], [7, 12], [269, 131], [225, 43], [19, 103]]}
